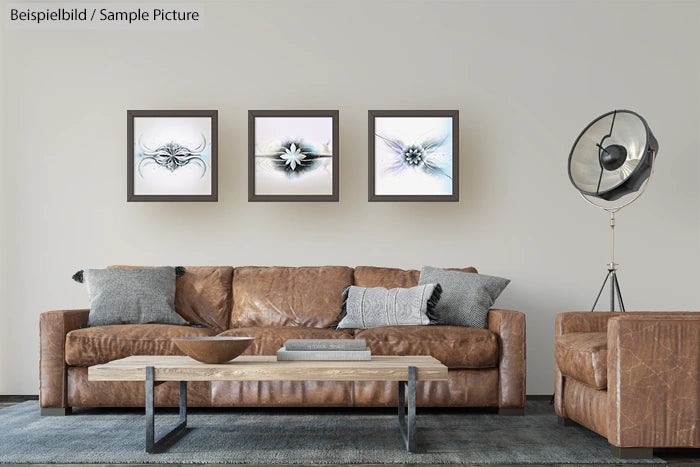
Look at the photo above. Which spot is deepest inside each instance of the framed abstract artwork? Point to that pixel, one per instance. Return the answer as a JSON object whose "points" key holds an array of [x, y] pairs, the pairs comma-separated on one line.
{"points": [[293, 155], [172, 155], [413, 155]]}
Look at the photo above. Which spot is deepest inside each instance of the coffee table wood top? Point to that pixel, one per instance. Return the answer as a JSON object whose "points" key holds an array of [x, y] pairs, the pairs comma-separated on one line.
{"points": [[267, 368]]}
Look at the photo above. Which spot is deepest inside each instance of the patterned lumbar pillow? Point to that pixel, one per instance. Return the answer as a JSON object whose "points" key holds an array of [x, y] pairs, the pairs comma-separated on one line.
{"points": [[466, 297], [131, 296], [365, 308]]}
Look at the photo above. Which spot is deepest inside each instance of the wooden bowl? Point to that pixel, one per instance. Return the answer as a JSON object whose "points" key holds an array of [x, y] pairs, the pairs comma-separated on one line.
{"points": [[213, 349]]}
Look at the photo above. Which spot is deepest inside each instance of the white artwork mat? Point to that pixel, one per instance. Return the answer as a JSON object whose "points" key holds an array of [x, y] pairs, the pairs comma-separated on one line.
{"points": [[271, 133], [151, 133], [392, 176]]}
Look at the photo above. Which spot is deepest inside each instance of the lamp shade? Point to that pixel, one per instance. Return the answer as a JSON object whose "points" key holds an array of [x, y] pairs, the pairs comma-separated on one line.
{"points": [[613, 155]]}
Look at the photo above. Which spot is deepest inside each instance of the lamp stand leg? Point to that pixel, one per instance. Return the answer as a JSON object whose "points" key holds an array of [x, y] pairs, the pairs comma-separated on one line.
{"points": [[607, 276], [612, 290], [619, 294]]}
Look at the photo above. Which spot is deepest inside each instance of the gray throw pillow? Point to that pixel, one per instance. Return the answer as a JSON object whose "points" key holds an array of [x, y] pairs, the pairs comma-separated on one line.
{"points": [[131, 296], [466, 297], [365, 308]]}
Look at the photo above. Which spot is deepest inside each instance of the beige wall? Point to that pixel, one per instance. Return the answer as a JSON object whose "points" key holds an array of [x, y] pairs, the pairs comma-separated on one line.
{"points": [[526, 76]]}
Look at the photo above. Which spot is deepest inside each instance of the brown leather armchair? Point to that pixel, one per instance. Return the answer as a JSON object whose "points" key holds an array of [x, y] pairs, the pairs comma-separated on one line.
{"points": [[633, 378]]}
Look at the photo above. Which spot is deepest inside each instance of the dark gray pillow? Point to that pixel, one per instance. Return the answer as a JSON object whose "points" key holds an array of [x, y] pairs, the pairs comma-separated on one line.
{"points": [[365, 308], [131, 296], [466, 297]]}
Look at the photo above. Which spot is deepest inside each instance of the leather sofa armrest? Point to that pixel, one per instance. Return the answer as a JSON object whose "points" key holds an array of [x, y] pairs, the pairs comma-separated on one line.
{"points": [[53, 327], [509, 325], [654, 380], [582, 321]]}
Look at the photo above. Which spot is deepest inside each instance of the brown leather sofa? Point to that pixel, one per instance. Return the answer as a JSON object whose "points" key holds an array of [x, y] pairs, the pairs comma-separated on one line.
{"points": [[273, 304], [633, 378]]}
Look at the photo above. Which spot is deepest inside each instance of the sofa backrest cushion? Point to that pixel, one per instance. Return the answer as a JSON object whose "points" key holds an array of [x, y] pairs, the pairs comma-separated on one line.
{"points": [[288, 296], [203, 295], [372, 276]]}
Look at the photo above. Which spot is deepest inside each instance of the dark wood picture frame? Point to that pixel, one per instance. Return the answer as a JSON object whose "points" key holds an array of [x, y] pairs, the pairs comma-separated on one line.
{"points": [[253, 114], [453, 114], [214, 169]]}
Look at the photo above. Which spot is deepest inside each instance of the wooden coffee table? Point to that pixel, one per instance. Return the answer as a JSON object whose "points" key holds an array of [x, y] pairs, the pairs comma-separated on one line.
{"points": [[154, 370]]}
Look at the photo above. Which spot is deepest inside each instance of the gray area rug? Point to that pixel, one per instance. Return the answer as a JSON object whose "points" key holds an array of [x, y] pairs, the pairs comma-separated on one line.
{"points": [[298, 436]]}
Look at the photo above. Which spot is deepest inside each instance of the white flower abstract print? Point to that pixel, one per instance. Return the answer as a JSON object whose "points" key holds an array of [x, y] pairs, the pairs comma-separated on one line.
{"points": [[413, 155], [293, 155]]}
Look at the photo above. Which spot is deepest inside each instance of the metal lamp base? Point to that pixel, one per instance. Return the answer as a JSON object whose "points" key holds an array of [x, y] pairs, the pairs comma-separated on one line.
{"points": [[612, 272], [614, 289]]}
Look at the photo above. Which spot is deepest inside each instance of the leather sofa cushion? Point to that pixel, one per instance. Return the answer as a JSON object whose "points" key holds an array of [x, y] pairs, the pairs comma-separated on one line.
{"points": [[284, 296], [268, 340], [584, 357], [84, 393], [372, 276], [203, 295], [100, 344], [455, 346]]}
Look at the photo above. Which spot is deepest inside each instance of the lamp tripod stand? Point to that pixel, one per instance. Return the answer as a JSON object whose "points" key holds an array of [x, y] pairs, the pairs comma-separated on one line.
{"points": [[612, 273]]}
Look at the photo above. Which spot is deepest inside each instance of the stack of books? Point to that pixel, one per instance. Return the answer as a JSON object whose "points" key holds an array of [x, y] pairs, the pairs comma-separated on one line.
{"points": [[324, 349]]}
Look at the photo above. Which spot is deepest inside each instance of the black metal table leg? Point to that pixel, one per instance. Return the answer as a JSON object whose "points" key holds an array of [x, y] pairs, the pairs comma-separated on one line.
{"points": [[408, 426], [153, 445]]}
